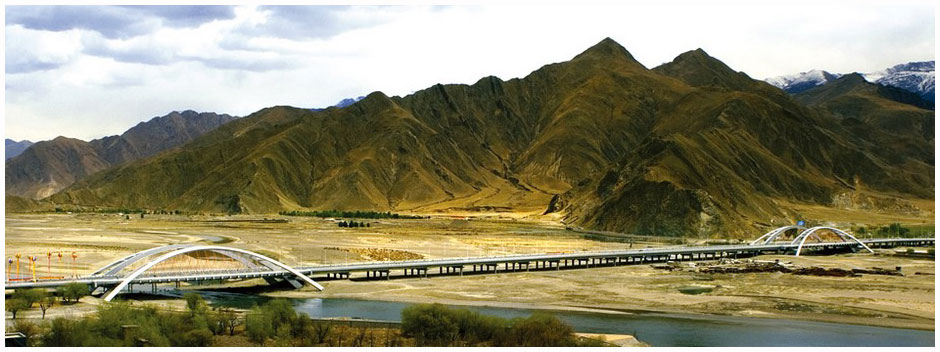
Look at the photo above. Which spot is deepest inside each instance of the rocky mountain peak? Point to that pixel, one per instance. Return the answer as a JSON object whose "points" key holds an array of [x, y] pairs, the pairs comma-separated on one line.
{"points": [[607, 49]]}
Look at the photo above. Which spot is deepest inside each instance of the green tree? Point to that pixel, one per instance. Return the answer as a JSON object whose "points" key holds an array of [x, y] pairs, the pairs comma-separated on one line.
{"points": [[229, 319], [15, 305], [195, 304], [429, 324], [73, 291], [29, 296], [280, 313], [475, 328], [299, 326], [258, 326], [216, 321], [321, 331], [45, 303]]}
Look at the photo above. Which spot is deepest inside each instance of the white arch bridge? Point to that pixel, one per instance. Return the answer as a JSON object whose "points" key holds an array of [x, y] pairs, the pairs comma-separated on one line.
{"points": [[804, 234], [205, 263]]}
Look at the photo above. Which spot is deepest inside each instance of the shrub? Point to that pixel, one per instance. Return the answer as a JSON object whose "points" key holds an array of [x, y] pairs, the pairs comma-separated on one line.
{"points": [[540, 330], [29, 329], [429, 324], [437, 325], [197, 338]]}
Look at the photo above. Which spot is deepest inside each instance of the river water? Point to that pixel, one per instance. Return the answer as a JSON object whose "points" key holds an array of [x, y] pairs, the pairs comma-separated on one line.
{"points": [[660, 330]]}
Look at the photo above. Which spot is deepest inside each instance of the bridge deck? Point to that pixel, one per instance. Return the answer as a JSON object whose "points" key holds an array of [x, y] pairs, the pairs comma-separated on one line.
{"points": [[632, 256]]}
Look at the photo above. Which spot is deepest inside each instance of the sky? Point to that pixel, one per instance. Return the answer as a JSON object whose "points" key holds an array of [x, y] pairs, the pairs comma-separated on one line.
{"points": [[91, 71]]}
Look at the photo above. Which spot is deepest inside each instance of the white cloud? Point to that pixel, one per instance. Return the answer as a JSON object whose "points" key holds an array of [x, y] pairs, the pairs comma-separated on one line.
{"points": [[88, 82]]}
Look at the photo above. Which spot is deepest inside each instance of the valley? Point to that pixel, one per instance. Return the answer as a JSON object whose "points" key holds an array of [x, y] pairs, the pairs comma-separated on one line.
{"points": [[98, 239]]}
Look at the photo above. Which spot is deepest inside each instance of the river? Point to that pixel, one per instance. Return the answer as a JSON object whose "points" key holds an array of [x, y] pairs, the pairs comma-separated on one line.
{"points": [[660, 330]]}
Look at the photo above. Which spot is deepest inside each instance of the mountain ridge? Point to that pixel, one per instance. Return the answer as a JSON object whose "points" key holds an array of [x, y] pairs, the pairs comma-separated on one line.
{"points": [[14, 148], [49, 166], [917, 77], [688, 148]]}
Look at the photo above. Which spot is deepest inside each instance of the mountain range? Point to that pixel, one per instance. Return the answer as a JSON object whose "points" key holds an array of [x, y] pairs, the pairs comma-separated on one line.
{"points": [[916, 77], [691, 147], [49, 166], [14, 148], [341, 104]]}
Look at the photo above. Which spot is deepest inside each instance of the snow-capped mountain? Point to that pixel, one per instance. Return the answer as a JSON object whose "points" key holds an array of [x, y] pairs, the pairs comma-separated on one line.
{"points": [[802, 81], [917, 77], [342, 103], [347, 102]]}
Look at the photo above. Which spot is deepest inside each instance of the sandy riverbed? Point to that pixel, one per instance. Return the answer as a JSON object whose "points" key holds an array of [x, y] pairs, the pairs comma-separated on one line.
{"points": [[895, 301]]}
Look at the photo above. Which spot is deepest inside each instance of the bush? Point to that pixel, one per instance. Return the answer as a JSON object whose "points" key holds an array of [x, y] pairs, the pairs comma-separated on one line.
{"points": [[894, 230], [540, 330], [29, 329], [197, 338], [429, 324], [437, 325], [120, 324], [63, 332]]}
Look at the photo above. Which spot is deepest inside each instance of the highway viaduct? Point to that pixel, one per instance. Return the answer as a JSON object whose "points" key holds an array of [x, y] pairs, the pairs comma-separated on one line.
{"points": [[136, 269]]}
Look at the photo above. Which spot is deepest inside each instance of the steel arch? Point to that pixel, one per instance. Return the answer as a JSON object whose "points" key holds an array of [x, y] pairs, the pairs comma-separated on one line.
{"points": [[811, 232], [117, 265], [218, 249], [769, 237]]}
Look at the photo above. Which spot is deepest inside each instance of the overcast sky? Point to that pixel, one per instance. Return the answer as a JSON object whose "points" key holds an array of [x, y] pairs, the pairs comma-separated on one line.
{"points": [[92, 71]]}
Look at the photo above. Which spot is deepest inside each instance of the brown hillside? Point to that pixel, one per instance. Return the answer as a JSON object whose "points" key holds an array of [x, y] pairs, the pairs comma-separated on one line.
{"points": [[50, 166], [627, 148]]}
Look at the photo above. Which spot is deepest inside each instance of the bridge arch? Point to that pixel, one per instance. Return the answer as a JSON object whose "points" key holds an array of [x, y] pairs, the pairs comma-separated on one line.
{"points": [[811, 232], [118, 265], [226, 251], [769, 237]]}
